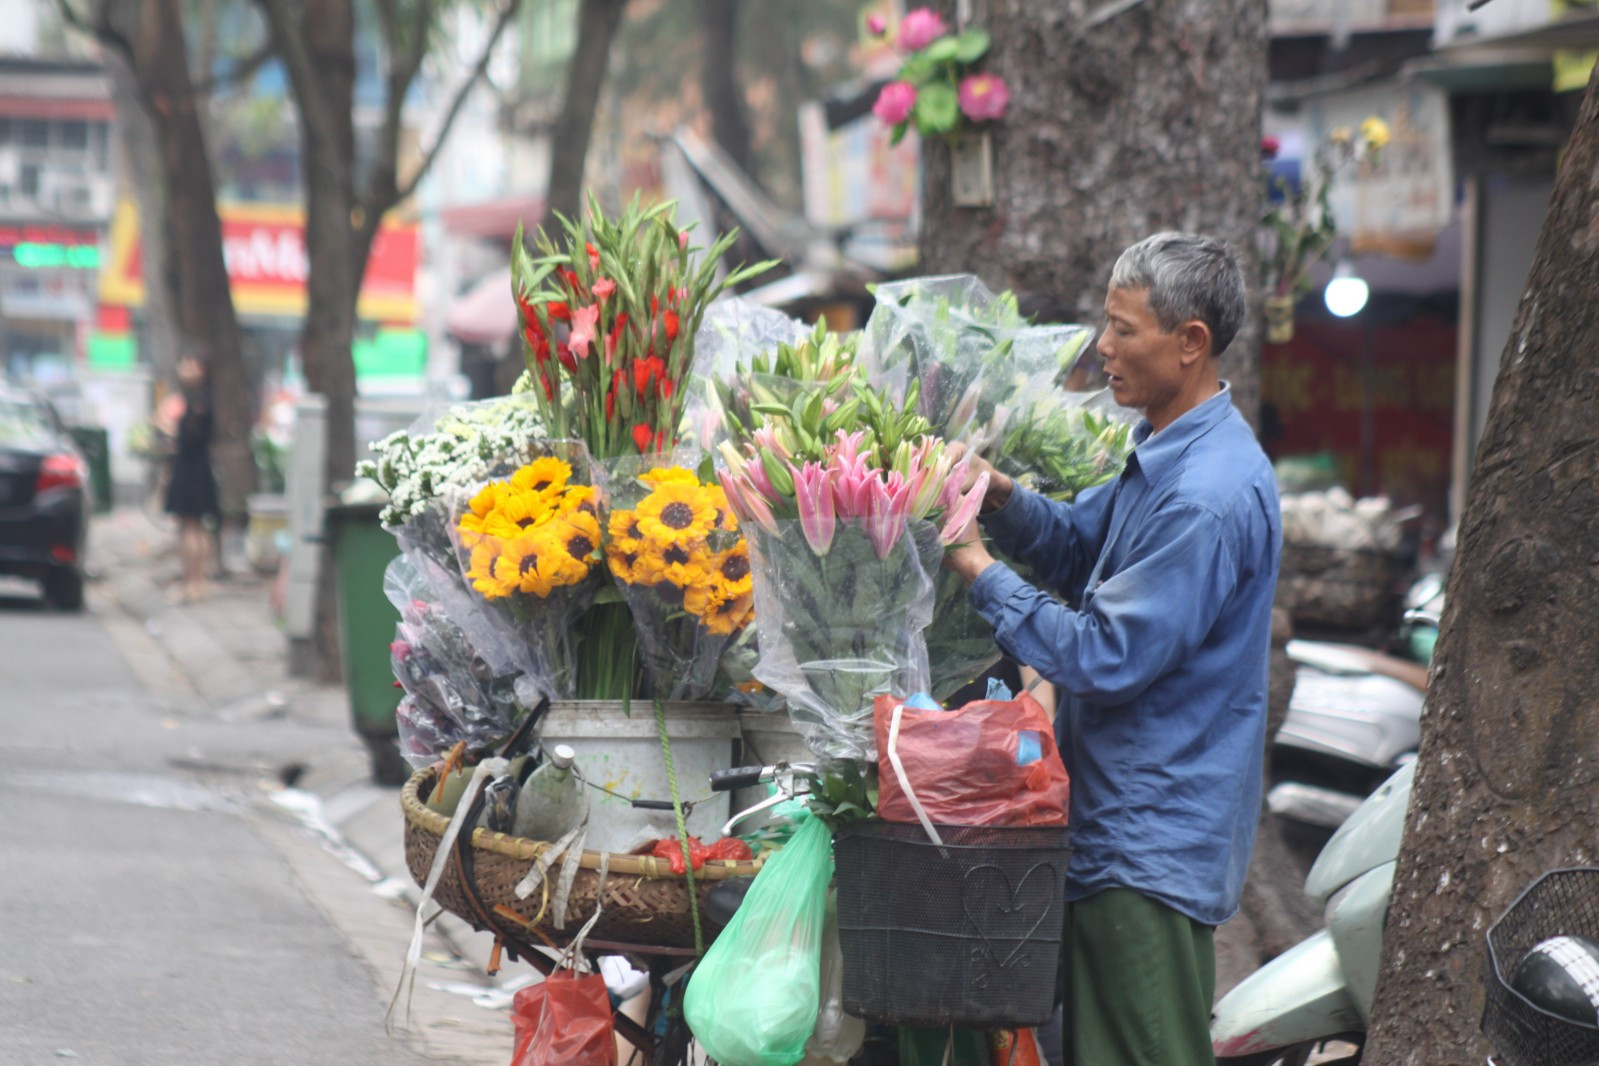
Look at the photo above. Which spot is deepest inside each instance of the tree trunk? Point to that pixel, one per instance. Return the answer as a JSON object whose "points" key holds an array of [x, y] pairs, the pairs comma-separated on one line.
{"points": [[1148, 121], [159, 336], [719, 81], [585, 76], [197, 269], [1506, 783]]}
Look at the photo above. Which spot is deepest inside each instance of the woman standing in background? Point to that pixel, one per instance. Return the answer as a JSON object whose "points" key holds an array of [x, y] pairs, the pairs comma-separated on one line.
{"points": [[192, 490]]}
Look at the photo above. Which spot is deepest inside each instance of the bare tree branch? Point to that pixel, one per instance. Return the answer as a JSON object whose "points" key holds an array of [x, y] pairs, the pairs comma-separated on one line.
{"points": [[100, 28], [303, 77], [243, 68], [380, 198]]}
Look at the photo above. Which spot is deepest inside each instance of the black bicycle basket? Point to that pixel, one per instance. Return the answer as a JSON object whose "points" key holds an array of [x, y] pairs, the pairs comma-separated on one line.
{"points": [[966, 933], [1560, 903]]}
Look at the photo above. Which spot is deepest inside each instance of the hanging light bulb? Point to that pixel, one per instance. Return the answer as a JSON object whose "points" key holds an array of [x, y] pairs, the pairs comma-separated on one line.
{"points": [[1347, 292]]}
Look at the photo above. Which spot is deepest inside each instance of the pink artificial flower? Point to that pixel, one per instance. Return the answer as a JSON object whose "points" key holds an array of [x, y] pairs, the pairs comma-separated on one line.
{"points": [[956, 521], [876, 25], [813, 493], [1269, 147], [603, 287], [585, 323], [894, 103], [984, 97], [920, 28], [400, 649]]}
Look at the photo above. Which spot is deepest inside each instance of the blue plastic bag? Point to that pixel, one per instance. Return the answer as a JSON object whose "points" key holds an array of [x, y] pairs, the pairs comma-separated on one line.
{"points": [[753, 999]]}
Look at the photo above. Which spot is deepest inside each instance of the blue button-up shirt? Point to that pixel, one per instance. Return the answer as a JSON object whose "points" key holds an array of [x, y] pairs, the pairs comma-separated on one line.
{"points": [[1161, 657]]}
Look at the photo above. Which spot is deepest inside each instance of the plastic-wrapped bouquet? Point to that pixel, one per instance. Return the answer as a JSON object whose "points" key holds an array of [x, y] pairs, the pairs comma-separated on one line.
{"points": [[846, 537], [451, 694], [1065, 443], [529, 544], [673, 545]]}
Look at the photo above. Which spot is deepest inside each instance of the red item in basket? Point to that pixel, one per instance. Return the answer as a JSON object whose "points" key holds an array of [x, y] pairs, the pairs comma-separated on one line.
{"points": [[671, 849], [992, 762], [564, 1020]]}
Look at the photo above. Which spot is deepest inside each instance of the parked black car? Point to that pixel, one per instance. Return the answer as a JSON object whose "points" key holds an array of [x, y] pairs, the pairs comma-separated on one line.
{"points": [[44, 499]]}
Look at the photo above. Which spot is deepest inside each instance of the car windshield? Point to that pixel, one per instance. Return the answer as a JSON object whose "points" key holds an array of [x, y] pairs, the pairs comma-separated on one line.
{"points": [[23, 423]]}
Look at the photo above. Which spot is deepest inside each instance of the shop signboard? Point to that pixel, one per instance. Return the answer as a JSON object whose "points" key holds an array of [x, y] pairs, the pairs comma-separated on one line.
{"points": [[263, 246]]}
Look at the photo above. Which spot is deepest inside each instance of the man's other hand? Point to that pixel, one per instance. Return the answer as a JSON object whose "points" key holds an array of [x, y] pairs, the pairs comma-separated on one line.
{"points": [[999, 486]]}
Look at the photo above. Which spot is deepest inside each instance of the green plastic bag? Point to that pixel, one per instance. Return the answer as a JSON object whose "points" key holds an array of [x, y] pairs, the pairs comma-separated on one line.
{"points": [[752, 1001]]}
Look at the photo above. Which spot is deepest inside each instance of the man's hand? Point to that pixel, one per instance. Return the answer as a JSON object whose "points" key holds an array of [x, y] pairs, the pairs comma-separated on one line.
{"points": [[968, 557], [999, 486]]}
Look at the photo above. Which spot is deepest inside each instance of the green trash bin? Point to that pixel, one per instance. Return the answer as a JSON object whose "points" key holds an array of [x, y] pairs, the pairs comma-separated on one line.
{"points": [[362, 549], [95, 444]]}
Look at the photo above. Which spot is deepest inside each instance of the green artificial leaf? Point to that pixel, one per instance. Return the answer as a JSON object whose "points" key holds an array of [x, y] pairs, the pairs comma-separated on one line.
{"points": [[942, 50], [917, 69], [899, 133], [971, 45], [937, 109]]}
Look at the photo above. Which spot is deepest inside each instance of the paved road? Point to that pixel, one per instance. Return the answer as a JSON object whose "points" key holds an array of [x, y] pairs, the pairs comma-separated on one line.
{"points": [[144, 915]]}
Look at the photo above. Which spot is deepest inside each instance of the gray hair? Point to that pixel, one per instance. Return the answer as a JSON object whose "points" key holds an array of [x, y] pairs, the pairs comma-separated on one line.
{"points": [[1187, 276]]}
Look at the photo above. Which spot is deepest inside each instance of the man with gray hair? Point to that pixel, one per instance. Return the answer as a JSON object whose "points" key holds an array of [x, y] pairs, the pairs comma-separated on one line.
{"points": [[1159, 645]]}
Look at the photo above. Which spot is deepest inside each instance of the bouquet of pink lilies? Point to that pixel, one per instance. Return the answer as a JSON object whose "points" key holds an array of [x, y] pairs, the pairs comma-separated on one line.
{"points": [[847, 527]]}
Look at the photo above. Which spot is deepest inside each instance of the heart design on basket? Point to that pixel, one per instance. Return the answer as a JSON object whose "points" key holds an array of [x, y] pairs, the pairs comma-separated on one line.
{"points": [[1006, 910]]}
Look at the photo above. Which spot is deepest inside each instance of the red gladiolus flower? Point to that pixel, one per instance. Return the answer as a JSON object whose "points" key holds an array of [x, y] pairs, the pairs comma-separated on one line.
{"points": [[666, 388], [603, 287], [647, 370], [558, 311], [655, 305], [537, 341], [610, 403], [660, 441], [642, 437], [671, 326], [549, 389], [571, 280], [564, 354], [594, 256]]}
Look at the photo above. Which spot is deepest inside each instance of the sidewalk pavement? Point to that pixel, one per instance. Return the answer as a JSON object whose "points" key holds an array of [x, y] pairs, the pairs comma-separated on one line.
{"points": [[225, 660]]}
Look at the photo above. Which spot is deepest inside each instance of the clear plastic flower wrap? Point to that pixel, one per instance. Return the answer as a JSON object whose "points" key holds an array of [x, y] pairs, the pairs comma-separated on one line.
{"points": [[451, 693], [1065, 442], [673, 545], [529, 547], [732, 335], [839, 627], [975, 357]]}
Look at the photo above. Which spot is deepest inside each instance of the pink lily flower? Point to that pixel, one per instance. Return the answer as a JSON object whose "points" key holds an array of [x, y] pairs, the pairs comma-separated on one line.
{"points": [[766, 438], [813, 493], [956, 521], [746, 503], [585, 323], [852, 480], [885, 519]]}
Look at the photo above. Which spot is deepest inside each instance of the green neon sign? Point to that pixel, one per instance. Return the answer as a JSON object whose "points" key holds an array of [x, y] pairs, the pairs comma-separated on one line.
{"points": [[37, 256]]}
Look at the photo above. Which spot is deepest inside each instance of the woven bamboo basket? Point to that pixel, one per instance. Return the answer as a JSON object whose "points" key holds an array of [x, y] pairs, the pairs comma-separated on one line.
{"points": [[645, 903]]}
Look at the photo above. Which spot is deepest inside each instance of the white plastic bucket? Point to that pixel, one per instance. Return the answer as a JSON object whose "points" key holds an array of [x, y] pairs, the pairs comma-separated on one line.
{"points": [[623, 754]]}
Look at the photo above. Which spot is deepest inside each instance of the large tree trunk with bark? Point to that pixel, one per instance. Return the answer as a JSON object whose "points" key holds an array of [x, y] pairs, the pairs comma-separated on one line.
{"points": [[719, 84], [585, 77], [196, 272], [1507, 785], [1147, 121]]}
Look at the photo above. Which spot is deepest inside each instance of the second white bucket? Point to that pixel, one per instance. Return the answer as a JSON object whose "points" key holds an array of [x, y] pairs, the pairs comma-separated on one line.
{"points": [[623, 754]]}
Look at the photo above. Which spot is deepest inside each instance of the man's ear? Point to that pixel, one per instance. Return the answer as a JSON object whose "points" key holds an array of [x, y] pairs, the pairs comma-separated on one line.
{"points": [[1195, 339]]}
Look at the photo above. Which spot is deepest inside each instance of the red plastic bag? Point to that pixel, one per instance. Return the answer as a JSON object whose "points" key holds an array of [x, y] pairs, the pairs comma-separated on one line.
{"points": [[671, 849], [564, 1020], [991, 762]]}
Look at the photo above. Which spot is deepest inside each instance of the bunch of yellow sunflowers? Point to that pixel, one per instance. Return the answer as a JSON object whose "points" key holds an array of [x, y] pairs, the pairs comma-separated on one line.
{"points": [[532, 533], [683, 539]]}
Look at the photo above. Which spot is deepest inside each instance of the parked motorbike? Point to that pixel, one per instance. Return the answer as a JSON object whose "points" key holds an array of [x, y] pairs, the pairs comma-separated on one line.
{"points": [[1321, 990], [1355, 717]]}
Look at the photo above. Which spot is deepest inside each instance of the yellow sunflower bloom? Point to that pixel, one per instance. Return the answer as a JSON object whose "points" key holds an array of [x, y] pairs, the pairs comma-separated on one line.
{"points": [[729, 615], [700, 600], [623, 559], [481, 573], [731, 570], [518, 512], [684, 567], [669, 475], [623, 525], [520, 565], [725, 518], [580, 498], [544, 474], [480, 507], [677, 513], [576, 537]]}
